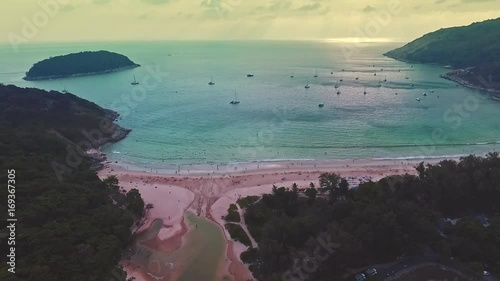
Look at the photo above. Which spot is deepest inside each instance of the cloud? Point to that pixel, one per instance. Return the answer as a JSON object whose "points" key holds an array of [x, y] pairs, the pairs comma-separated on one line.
{"points": [[279, 6], [101, 2], [68, 8], [368, 9], [155, 2], [310, 7]]}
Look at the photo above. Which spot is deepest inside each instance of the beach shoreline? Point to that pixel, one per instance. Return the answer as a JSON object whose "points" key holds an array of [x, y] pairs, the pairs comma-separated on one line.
{"points": [[208, 194]]}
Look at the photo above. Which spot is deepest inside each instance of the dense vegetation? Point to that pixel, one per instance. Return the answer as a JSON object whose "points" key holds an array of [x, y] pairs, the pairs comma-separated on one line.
{"points": [[460, 47], [71, 226], [232, 214], [82, 63], [379, 221], [238, 234], [247, 201], [65, 115]]}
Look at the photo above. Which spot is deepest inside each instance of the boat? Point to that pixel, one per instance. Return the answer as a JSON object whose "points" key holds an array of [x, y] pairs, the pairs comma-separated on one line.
{"points": [[321, 105], [375, 74], [407, 77], [418, 99], [431, 91], [307, 85], [357, 78], [364, 92], [385, 79], [336, 86], [424, 94], [135, 82], [65, 91], [235, 101], [211, 83], [396, 94], [249, 75], [338, 92], [379, 84], [316, 75], [411, 84], [341, 79], [331, 72], [291, 76]]}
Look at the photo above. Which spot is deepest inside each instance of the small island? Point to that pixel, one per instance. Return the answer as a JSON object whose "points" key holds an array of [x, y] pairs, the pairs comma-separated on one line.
{"points": [[472, 51], [79, 64]]}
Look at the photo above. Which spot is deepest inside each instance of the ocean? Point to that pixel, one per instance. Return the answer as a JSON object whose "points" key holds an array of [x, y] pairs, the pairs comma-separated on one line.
{"points": [[178, 119]]}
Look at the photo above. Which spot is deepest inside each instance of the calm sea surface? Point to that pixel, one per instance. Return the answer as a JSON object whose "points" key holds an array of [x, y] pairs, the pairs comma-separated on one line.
{"points": [[177, 118]]}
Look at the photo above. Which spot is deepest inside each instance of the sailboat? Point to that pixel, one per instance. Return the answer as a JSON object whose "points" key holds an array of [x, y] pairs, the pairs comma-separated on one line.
{"points": [[364, 93], [385, 79], [331, 72], [211, 83], [135, 82], [235, 101], [316, 75], [291, 76], [338, 91], [379, 85], [65, 91], [307, 85]]}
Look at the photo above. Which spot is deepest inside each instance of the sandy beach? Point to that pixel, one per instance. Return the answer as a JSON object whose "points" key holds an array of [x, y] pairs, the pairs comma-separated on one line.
{"points": [[209, 193]]}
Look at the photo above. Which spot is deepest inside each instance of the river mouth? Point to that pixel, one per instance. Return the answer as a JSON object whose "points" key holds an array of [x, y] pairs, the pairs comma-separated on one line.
{"points": [[198, 255]]}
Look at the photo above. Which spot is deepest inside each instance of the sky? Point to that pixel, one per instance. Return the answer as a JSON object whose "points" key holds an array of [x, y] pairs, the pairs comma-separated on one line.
{"points": [[339, 20]]}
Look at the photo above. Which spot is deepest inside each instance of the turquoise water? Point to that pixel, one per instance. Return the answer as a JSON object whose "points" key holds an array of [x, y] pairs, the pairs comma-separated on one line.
{"points": [[183, 120]]}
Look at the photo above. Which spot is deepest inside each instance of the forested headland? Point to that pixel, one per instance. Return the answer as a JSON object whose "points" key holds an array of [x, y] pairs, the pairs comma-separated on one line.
{"points": [[79, 64], [70, 225]]}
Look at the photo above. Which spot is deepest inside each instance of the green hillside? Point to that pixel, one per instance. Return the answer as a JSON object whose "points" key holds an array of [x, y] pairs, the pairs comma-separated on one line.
{"points": [[459, 47], [70, 225], [83, 63]]}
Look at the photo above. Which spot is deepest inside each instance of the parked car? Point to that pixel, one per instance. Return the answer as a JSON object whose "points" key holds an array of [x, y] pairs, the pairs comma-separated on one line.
{"points": [[360, 277], [371, 272]]}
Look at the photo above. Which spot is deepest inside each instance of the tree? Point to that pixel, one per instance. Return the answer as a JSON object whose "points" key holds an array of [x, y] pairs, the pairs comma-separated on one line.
{"points": [[134, 202], [111, 183], [343, 187], [311, 194]]}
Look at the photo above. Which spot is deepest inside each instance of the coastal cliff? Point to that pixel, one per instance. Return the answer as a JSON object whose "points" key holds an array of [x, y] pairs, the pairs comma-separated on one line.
{"points": [[72, 119], [79, 64], [473, 51]]}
